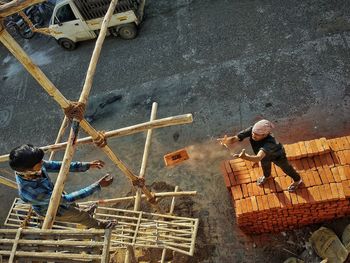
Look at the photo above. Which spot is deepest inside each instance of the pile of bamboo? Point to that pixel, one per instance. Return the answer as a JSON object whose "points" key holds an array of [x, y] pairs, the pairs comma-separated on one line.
{"points": [[323, 195], [50, 245]]}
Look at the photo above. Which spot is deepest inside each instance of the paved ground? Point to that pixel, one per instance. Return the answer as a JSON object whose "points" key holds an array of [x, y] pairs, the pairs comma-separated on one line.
{"points": [[228, 63]]}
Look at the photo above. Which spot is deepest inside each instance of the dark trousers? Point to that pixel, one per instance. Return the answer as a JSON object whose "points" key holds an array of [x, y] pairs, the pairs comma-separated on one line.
{"points": [[283, 163]]}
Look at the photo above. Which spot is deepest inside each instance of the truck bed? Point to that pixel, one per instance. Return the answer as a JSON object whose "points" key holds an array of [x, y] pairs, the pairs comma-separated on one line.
{"points": [[91, 9]]}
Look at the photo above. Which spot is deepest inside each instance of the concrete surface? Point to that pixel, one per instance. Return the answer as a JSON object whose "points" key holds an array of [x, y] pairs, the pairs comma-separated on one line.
{"points": [[228, 62]]}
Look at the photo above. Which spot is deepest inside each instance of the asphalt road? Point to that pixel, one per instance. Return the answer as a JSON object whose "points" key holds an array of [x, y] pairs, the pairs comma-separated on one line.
{"points": [[227, 62]]}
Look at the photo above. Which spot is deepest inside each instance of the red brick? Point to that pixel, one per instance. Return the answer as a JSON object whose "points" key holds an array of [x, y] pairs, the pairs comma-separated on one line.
{"points": [[282, 200], [244, 206], [329, 158], [232, 178], [273, 171], [302, 149], [305, 178], [260, 203], [254, 204], [289, 151], [272, 186], [319, 145], [236, 192], [347, 156], [317, 178], [276, 200], [278, 184], [322, 190], [238, 207], [244, 190], [311, 192], [265, 202], [315, 192], [344, 172], [333, 144], [325, 144], [294, 198], [341, 157], [310, 176], [301, 199], [323, 175], [270, 201], [334, 190], [298, 165], [249, 205], [309, 151], [297, 150], [340, 190], [346, 188], [336, 175], [335, 158], [250, 189], [305, 164], [328, 191], [317, 161], [329, 174], [314, 147], [311, 162]]}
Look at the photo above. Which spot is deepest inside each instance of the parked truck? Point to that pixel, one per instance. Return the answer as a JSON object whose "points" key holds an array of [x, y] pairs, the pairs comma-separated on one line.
{"points": [[78, 20]]}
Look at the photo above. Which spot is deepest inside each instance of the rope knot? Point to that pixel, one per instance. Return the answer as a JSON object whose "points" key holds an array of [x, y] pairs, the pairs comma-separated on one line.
{"points": [[75, 110], [100, 140]]}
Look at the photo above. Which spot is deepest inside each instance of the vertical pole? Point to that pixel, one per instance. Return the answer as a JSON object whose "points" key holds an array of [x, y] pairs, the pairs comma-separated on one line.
{"points": [[137, 203], [171, 211]]}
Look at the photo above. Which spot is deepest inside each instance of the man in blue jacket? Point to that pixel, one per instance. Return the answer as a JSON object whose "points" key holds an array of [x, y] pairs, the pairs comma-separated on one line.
{"points": [[35, 187]]}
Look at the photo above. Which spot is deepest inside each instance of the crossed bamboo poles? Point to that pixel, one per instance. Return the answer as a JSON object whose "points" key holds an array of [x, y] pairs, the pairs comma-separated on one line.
{"points": [[49, 87]]}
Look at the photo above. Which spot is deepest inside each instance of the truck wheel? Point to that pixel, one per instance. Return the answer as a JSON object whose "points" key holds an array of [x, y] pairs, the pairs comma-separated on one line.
{"points": [[128, 31], [67, 44]]}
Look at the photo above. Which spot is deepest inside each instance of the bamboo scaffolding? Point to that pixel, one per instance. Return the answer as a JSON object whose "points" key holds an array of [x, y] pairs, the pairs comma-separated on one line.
{"points": [[67, 159], [160, 123]]}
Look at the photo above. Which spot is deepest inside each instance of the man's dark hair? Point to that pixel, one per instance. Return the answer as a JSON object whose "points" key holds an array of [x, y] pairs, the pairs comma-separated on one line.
{"points": [[25, 157]]}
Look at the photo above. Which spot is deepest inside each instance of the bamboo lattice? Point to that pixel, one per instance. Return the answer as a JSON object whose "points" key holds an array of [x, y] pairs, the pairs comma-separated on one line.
{"points": [[134, 228], [88, 245]]}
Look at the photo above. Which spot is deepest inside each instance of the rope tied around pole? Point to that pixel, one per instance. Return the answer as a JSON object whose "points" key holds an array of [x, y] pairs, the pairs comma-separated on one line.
{"points": [[139, 182], [101, 139], [75, 110]]}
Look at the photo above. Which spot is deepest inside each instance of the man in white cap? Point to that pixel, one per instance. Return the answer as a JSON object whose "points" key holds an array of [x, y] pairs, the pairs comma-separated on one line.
{"points": [[267, 149]]}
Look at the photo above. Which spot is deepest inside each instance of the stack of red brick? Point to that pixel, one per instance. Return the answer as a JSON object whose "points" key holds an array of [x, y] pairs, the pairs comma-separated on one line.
{"points": [[324, 166]]}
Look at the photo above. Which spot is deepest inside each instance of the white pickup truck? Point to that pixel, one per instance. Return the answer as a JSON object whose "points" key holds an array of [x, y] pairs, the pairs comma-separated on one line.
{"points": [[77, 20]]}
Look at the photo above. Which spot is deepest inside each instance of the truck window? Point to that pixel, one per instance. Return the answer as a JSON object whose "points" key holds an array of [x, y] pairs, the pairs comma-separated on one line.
{"points": [[64, 14]]}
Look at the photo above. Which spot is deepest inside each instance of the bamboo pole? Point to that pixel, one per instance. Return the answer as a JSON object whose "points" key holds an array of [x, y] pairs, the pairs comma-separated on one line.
{"points": [[128, 198], [15, 244], [8, 182], [59, 135], [160, 123], [137, 203], [68, 156], [171, 211], [145, 156], [106, 245]]}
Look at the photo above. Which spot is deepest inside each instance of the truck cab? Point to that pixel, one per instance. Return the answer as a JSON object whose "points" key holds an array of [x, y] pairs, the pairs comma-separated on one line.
{"points": [[78, 20]]}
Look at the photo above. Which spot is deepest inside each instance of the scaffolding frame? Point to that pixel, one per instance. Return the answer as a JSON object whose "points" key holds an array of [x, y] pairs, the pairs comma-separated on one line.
{"points": [[78, 121]]}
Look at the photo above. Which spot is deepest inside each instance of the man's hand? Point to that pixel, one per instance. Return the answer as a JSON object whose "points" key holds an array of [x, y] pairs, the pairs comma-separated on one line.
{"points": [[105, 180], [240, 155], [225, 141], [97, 164]]}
